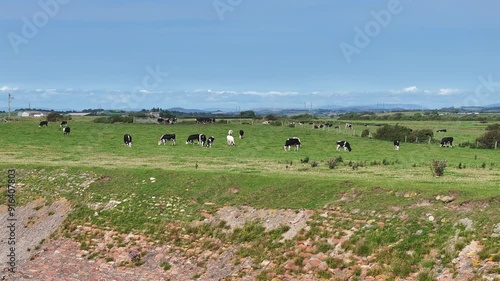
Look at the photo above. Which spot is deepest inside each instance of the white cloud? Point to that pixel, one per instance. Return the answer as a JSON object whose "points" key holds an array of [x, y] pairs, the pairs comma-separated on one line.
{"points": [[6, 88], [446, 92], [270, 93], [411, 89], [251, 93]]}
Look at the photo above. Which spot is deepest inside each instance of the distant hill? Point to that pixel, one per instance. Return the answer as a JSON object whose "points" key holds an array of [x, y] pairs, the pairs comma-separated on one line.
{"points": [[186, 110], [374, 107]]}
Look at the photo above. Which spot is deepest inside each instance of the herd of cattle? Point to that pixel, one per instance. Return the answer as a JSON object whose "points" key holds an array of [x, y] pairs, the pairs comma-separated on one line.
{"points": [[64, 125], [208, 142], [201, 139]]}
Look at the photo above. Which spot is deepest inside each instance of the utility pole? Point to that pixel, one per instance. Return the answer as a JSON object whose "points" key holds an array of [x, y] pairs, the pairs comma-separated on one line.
{"points": [[10, 98]]}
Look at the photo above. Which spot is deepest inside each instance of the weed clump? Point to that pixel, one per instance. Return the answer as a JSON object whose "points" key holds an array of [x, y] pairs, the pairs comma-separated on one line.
{"points": [[437, 167], [332, 163]]}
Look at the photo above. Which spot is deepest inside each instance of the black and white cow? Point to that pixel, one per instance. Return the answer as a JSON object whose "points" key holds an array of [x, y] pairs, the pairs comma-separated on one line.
{"points": [[241, 134], [127, 140], [192, 138], [230, 132], [396, 144], [441, 131], [343, 144], [348, 126], [210, 141], [447, 141], [202, 140], [167, 137], [66, 130], [292, 142], [230, 140], [43, 123], [63, 124]]}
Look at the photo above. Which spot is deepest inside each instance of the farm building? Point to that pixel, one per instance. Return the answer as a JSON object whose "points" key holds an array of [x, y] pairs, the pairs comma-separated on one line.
{"points": [[34, 114]]}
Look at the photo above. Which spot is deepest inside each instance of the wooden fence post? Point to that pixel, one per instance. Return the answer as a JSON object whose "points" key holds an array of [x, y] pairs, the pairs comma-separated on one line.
{"points": [[429, 140], [405, 138], [496, 144]]}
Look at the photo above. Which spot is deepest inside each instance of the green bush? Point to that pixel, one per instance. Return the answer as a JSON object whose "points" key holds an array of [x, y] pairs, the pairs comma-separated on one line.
{"points": [[390, 133], [365, 133], [420, 135], [488, 139], [54, 117], [493, 127], [114, 119]]}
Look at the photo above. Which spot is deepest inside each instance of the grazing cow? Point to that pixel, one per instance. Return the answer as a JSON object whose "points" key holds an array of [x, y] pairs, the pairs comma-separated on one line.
{"points": [[343, 144], [292, 142], [348, 126], [241, 134], [167, 137], [230, 140], [202, 140], [43, 123], [210, 141], [447, 141], [336, 127], [63, 124], [441, 131], [192, 138], [230, 133], [396, 144], [127, 140], [66, 130]]}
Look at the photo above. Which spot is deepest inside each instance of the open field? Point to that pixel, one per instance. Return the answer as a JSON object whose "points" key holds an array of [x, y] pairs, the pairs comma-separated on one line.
{"points": [[374, 200]]}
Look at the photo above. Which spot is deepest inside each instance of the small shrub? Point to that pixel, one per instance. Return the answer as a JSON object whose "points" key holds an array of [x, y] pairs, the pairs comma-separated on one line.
{"points": [[334, 263], [314, 164], [165, 265], [135, 257], [339, 159], [305, 160], [324, 275], [332, 163], [298, 261], [365, 133], [437, 167]]}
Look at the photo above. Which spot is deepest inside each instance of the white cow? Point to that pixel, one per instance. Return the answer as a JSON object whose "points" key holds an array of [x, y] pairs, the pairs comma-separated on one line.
{"points": [[230, 140]]}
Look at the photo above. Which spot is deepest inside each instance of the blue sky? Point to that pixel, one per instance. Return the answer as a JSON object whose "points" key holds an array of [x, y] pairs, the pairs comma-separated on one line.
{"points": [[248, 53]]}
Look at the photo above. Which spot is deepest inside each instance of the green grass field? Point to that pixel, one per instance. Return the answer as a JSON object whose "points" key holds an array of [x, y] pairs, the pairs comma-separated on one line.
{"points": [[374, 177]]}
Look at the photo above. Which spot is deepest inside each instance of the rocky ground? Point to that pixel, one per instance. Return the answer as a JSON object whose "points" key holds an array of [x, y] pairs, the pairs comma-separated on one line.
{"points": [[41, 256]]}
